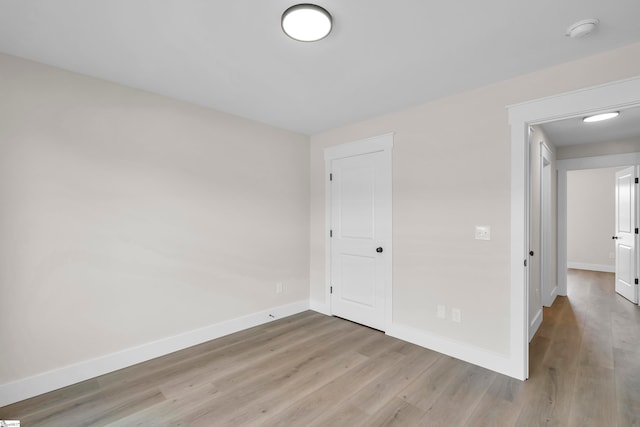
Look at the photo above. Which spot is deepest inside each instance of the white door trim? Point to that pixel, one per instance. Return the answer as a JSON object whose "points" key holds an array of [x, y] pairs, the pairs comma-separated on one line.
{"points": [[381, 143], [616, 95], [548, 289]]}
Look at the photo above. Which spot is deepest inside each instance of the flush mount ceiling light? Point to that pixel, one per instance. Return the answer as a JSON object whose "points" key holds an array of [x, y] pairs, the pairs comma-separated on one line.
{"points": [[306, 22], [601, 117], [582, 28]]}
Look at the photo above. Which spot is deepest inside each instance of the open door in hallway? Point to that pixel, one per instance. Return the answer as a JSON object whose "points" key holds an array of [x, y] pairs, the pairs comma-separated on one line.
{"points": [[626, 234]]}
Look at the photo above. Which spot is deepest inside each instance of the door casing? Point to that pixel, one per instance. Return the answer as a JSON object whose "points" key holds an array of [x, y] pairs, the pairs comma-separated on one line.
{"points": [[548, 282], [610, 96]]}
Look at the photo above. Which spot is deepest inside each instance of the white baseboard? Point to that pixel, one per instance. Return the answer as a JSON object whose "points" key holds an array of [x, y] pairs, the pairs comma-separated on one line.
{"points": [[468, 353], [535, 324], [593, 267], [48, 381], [320, 307]]}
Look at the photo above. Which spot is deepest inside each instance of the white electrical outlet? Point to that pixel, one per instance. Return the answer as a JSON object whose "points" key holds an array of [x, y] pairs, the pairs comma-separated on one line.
{"points": [[483, 232], [442, 312], [456, 315], [279, 288]]}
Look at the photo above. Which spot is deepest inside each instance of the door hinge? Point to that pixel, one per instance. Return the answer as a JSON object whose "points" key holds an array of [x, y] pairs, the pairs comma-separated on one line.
{"points": [[330, 177], [330, 289], [636, 281], [636, 180], [525, 262], [330, 233], [636, 231]]}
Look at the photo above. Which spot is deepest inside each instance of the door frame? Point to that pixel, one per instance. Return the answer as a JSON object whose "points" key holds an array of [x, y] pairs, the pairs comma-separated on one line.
{"points": [[548, 291], [381, 143], [615, 95]]}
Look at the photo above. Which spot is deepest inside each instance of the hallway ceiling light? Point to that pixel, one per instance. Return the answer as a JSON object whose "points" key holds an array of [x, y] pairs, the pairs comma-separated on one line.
{"points": [[306, 22], [601, 117], [582, 28]]}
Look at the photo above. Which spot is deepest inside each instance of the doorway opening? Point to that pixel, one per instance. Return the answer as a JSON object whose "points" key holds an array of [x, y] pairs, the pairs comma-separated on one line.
{"points": [[613, 96], [597, 208]]}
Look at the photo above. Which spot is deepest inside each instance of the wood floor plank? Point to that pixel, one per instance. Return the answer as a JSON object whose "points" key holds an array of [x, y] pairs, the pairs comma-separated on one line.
{"points": [[162, 413], [459, 399], [305, 411], [500, 405], [346, 415], [627, 384], [232, 360], [594, 398], [98, 411], [237, 343], [596, 348], [537, 351], [255, 344], [429, 385], [47, 401], [624, 335], [261, 404], [549, 396], [222, 386], [371, 398], [145, 379], [301, 375], [398, 412]]}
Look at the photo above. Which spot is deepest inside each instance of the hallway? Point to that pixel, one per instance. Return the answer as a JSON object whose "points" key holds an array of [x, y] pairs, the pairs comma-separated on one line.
{"points": [[585, 358]]}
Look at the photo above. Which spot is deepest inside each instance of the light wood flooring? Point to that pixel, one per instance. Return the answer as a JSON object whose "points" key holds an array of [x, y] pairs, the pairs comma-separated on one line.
{"points": [[314, 370]]}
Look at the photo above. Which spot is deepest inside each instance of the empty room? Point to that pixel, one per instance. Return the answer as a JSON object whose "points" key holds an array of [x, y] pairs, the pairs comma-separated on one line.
{"points": [[232, 213]]}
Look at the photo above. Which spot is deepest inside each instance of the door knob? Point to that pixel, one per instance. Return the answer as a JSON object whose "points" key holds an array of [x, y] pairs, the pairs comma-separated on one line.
{"points": [[531, 253], [379, 249], [614, 237]]}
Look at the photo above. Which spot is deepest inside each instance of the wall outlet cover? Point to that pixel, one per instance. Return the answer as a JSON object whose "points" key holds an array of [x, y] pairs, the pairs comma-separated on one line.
{"points": [[483, 232]]}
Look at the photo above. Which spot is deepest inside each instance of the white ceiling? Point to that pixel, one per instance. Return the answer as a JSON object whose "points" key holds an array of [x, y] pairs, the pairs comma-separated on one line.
{"points": [[573, 131], [382, 55]]}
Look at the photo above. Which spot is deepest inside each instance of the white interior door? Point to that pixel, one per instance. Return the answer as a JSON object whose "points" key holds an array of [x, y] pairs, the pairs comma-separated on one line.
{"points": [[360, 237], [625, 234]]}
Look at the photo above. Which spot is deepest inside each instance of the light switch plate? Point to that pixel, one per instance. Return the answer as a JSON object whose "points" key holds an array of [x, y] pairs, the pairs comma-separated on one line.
{"points": [[483, 232]]}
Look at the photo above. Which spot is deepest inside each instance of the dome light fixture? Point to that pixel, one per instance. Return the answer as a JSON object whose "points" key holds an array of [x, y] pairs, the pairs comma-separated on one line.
{"points": [[306, 22], [601, 117], [582, 28]]}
